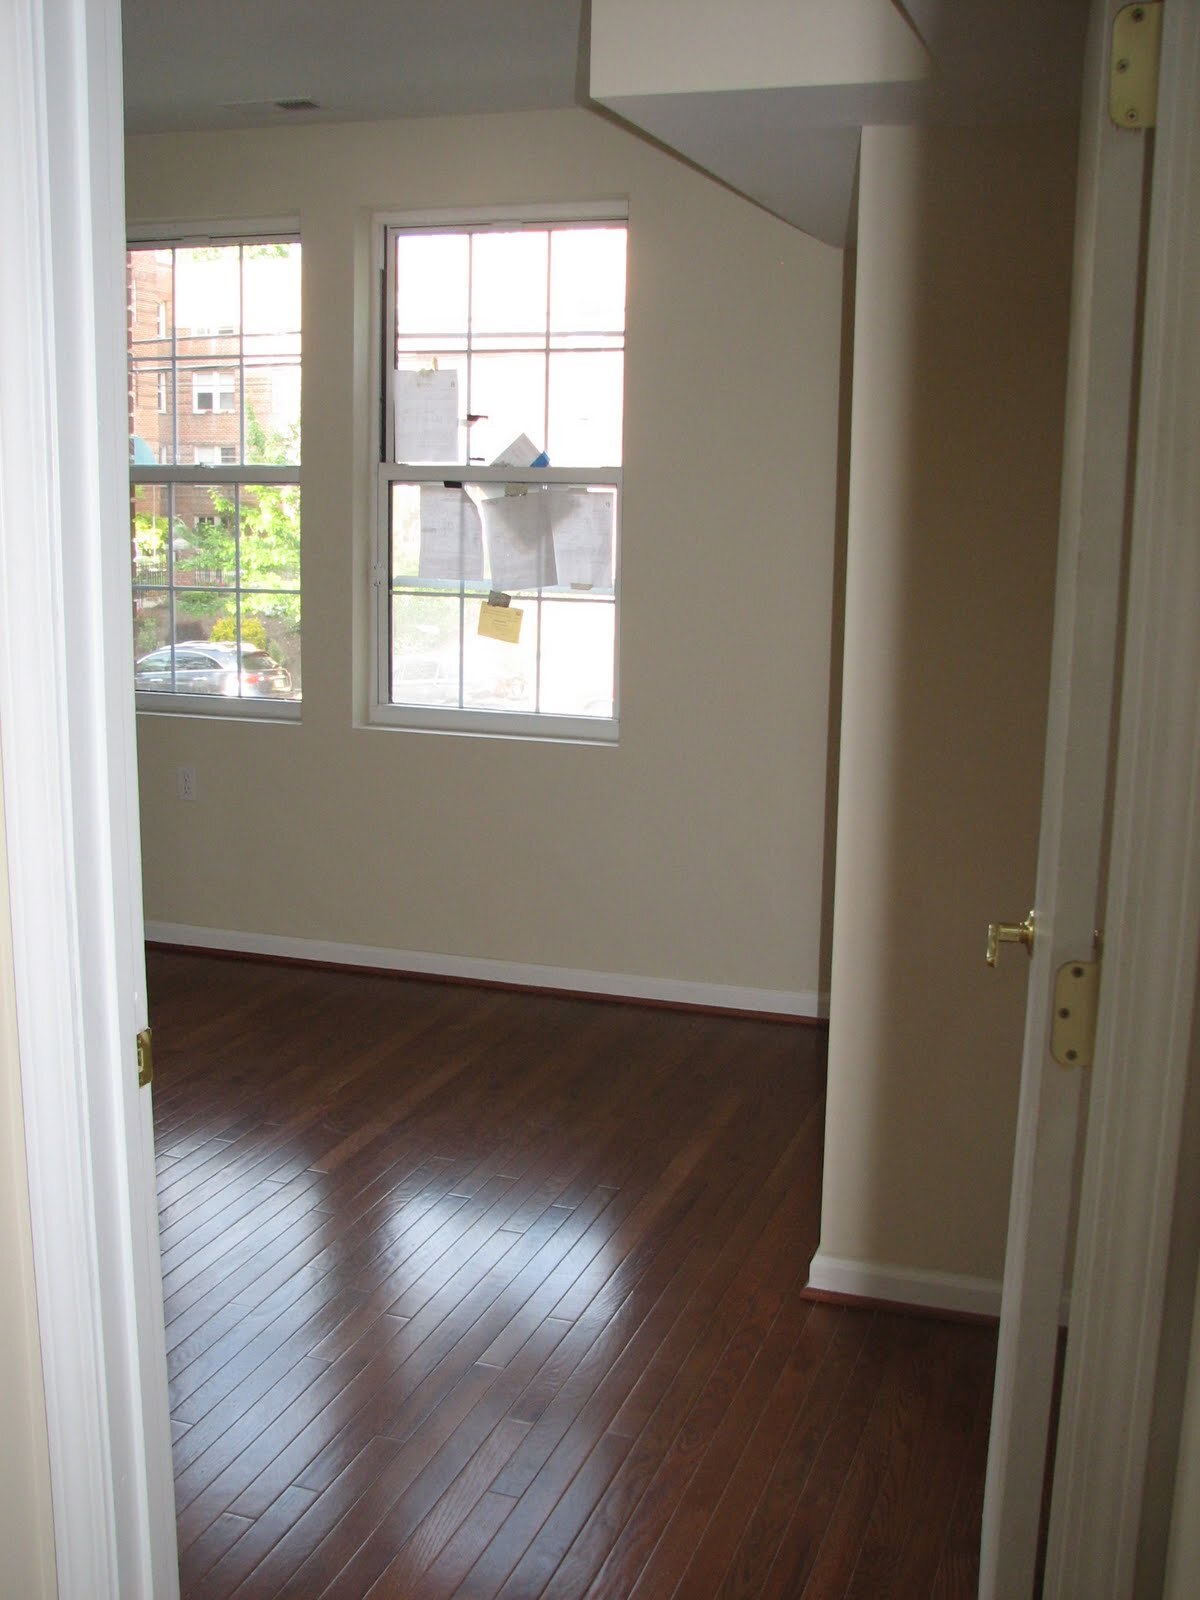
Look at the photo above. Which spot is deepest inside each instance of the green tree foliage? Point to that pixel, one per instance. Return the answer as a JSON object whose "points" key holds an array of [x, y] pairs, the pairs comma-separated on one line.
{"points": [[257, 536], [149, 542], [254, 631]]}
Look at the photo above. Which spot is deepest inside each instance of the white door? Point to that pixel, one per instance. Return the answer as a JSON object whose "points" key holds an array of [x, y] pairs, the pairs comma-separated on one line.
{"points": [[1121, 1394], [67, 744], [1071, 859]]}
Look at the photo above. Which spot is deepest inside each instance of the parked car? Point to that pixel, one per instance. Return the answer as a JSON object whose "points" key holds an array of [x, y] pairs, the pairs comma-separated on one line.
{"points": [[424, 681], [204, 667]]}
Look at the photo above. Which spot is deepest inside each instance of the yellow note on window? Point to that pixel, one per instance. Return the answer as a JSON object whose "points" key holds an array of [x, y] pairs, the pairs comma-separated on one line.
{"points": [[500, 622]]}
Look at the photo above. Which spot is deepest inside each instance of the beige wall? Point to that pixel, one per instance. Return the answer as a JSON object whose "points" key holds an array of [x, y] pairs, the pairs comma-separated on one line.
{"points": [[694, 849], [960, 339], [26, 1525]]}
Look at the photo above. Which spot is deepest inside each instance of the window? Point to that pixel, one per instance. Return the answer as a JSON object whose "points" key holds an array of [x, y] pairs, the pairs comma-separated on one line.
{"points": [[215, 473], [214, 391], [215, 455], [500, 477]]}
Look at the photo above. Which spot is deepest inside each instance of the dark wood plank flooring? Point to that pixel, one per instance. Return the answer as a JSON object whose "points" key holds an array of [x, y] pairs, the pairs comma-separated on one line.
{"points": [[500, 1296]]}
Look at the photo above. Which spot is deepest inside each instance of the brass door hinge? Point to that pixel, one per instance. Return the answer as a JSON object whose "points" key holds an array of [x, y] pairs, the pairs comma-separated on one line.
{"points": [[1133, 70], [145, 1058], [1073, 1031]]}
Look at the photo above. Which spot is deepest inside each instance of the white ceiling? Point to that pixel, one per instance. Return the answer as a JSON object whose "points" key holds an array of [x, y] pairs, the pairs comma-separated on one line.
{"points": [[778, 114], [222, 63], [773, 123]]}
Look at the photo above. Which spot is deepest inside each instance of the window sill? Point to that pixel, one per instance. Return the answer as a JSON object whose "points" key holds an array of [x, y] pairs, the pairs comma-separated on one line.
{"points": [[538, 728], [218, 708]]}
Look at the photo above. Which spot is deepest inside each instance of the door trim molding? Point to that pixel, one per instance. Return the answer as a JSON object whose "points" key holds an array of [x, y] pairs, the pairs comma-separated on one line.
{"points": [[1080, 743], [1147, 1003], [43, 896], [66, 742]]}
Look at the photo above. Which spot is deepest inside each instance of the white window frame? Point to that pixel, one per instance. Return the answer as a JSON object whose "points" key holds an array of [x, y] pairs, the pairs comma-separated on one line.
{"points": [[382, 712], [215, 455], [222, 385], [165, 236]]}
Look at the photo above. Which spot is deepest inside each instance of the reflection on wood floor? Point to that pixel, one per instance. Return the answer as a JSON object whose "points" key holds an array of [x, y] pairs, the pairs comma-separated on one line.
{"points": [[484, 1295]]}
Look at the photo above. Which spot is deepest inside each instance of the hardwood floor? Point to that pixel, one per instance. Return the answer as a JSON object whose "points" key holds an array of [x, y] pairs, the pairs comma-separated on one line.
{"points": [[499, 1297]]}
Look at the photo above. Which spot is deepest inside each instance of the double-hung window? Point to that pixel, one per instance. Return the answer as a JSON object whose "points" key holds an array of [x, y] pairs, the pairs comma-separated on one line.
{"points": [[213, 391], [214, 485], [496, 564]]}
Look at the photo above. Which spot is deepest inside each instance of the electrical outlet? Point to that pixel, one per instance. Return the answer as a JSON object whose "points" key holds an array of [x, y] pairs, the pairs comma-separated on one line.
{"points": [[185, 782]]}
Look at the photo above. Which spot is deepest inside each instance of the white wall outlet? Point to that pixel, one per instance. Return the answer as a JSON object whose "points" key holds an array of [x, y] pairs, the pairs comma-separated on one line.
{"points": [[185, 782]]}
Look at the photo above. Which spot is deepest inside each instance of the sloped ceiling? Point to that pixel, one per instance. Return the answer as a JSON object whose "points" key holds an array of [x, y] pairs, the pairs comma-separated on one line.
{"points": [[775, 108], [769, 96]]}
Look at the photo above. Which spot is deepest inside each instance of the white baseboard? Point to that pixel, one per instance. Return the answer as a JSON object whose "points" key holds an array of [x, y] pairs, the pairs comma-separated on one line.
{"points": [[932, 1291], [619, 985]]}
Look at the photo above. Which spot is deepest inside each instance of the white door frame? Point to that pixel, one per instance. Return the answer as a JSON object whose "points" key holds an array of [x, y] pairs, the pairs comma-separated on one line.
{"points": [[67, 744], [1151, 923], [1152, 919], [66, 740], [1096, 477]]}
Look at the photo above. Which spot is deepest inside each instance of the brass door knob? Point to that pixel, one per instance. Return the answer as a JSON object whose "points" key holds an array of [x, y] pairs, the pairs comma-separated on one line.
{"points": [[1009, 933]]}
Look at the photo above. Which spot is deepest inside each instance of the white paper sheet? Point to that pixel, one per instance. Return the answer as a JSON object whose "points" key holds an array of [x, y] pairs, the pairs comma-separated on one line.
{"points": [[451, 535], [522, 452], [519, 544], [425, 406], [582, 527]]}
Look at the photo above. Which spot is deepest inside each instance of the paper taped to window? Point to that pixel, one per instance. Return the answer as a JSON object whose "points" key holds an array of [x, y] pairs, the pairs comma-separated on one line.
{"points": [[500, 622], [582, 526], [451, 535], [425, 406], [519, 541]]}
